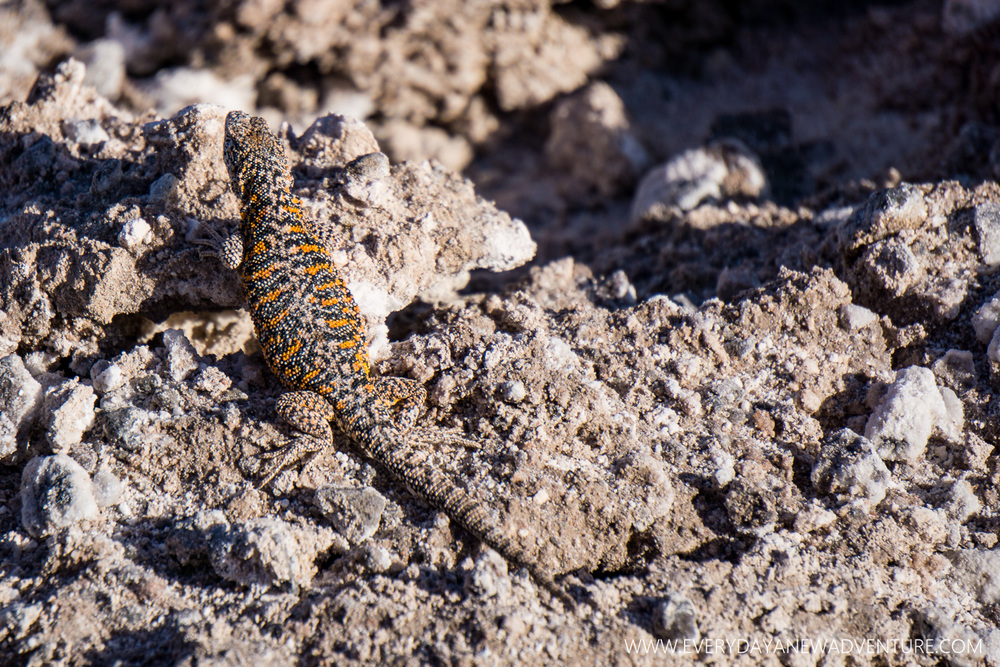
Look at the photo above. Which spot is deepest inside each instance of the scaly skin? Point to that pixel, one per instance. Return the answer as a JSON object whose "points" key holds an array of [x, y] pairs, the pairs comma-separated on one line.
{"points": [[313, 340]]}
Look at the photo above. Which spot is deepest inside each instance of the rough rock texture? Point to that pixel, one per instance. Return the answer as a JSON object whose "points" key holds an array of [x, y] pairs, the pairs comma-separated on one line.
{"points": [[751, 400]]}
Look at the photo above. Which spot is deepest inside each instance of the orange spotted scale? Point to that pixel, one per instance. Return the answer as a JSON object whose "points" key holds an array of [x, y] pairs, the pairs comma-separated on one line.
{"points": [[313, 340]]}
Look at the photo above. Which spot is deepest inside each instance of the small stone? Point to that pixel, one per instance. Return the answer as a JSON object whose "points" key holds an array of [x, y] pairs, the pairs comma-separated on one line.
{"points": [[698, 175], [541, 497], [133, 234], [986, 218], [105, 61], [890, 267], [69, 411], [986, 319], [20, 617], [912, 409], [55, 492], [374, 559], [944, 298], [725, 467], [182, 359], [676, 619], [513, 392], [107, 488], [163, 189], [20, 395], [591, 140], [962, 502], [212, 381], [354, 513], [956, 369], [993, 355], [86, 133], [620, 288], [885, 213], [8, 437], [953, 643], [106, 179], [854, 317], [813, 517], [752, 509], [127, 426], [108, 378], [849, 467]]}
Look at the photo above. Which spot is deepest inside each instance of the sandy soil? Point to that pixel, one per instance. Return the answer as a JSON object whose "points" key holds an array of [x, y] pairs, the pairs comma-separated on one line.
{"points": [[713, 288]]}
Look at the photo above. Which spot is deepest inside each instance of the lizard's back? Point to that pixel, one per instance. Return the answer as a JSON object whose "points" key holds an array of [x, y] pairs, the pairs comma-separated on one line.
{"points": [[305, 317]]}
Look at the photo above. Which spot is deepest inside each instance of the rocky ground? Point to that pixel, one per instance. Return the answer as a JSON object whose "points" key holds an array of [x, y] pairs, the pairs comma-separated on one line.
{"points": [[732, 366]]}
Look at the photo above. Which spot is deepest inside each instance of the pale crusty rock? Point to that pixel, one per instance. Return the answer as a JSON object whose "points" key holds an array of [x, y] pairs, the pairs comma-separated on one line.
{"points": [[913, 409], [264, 552], [69, 412], [21, 400], [723, 169], [55, 492], [849, 467]]}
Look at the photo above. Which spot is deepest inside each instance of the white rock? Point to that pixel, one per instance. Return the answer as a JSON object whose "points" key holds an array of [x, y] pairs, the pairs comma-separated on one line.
{"points": [[854, 317], [849, 467], [133, 234], [55, 492], [69, 409], [20, 395], [912, 409], [986, 319]]}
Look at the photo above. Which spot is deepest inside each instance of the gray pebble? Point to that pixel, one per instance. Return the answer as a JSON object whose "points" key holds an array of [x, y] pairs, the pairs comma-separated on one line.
{"points": [[884, 213], [373, 558], [676, 619], [913, 408], [488, 577], [979, 571], [354, 513], [163, 189], [107, 488], [855, 318], [126, 426], [106, 178], [890, 267], [105, 61], [182, 359], [513, 392], [986, 218], [262, 552]]}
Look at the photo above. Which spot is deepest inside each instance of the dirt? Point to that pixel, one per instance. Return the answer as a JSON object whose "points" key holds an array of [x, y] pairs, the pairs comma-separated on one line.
{"points": [[713, 290]]}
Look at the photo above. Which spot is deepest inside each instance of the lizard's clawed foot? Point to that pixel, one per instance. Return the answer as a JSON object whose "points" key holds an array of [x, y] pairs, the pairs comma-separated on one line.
{"points": [[277, 460]]}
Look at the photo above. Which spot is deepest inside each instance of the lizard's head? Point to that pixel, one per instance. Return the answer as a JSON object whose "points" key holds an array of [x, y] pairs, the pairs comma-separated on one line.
{"points": [[250, 148]]}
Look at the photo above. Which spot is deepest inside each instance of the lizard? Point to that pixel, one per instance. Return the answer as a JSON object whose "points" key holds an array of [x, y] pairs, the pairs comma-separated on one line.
{"points": [[313, 340]]}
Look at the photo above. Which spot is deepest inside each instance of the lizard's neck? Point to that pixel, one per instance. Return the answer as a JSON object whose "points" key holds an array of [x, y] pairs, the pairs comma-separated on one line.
{"points": [[267, 202]]}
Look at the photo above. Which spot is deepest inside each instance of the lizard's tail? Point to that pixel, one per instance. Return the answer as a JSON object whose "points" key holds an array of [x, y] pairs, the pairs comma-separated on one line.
{"points": [[443, 493]]}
